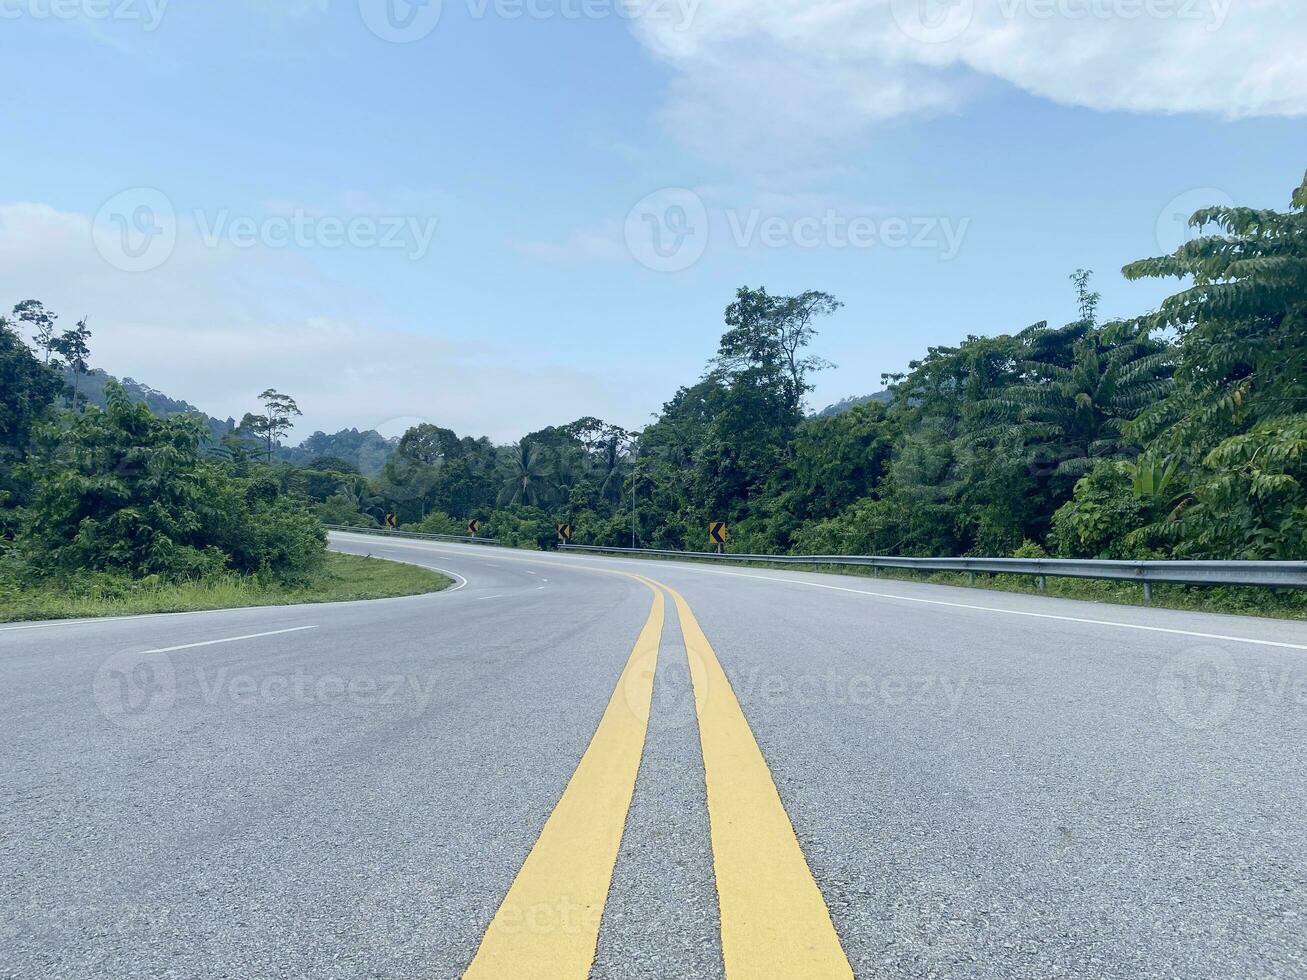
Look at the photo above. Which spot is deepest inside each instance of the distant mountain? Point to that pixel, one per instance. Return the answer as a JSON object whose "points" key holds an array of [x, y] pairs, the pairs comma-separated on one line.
{"points": [[852, 402], [92, 386], [367, 450]]}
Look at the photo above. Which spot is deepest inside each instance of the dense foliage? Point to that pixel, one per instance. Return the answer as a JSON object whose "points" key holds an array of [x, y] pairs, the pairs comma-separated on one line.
{"points": [[121, 492], [1182, 433]]}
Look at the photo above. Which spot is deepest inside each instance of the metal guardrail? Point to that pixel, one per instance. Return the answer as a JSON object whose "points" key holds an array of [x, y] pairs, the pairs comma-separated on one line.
{"points": [[1266, 574], [385, 531], [1270, 574]]}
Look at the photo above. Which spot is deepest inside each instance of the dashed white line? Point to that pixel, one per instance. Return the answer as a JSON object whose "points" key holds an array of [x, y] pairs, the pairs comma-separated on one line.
{"points": [[231, 639]]}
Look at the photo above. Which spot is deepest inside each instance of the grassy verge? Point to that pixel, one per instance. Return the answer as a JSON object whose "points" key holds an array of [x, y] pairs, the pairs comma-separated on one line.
{"points": [[1231, 600], [345, 578]]}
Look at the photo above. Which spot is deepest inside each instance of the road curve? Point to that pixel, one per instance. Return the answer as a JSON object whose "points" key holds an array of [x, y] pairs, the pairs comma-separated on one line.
{"points": [[736, 772]]}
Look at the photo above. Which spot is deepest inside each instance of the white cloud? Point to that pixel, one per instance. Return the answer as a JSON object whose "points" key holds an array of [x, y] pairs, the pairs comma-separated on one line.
{"points": [[790, 73], [594, 243], [215, 326]]}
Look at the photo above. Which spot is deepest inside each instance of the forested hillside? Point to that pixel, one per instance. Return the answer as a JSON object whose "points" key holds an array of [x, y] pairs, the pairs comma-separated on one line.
{"points": [[1178, 433]]}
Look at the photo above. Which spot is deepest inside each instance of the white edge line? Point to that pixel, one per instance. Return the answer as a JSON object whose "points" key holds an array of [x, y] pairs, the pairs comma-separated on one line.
{"points": [[931, 602], [231, 639]]}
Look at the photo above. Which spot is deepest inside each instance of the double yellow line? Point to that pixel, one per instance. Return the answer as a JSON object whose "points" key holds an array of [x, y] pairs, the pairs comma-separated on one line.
{"points": [[774, 921]]}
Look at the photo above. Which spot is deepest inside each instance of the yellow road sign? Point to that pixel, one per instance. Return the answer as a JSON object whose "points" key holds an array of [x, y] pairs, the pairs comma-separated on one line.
{"points": [[392, 520], [565, 533], [717, 532], [473, 527]]}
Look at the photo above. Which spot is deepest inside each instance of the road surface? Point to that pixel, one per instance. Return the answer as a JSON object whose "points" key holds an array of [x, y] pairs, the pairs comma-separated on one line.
{"points": [[655, 769]]}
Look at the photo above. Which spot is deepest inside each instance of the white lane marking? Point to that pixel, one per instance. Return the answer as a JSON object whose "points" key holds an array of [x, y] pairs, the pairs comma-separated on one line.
{"points": [[231, 639], [462, 582], [528, 571], [479, 598], [1021, 612], [930, 602], [539, 587], [67, 622]]}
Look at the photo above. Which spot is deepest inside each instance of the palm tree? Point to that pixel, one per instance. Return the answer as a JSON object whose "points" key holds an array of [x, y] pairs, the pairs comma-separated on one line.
{"points": [[1072, 413], [526, 472], [612, 465]]}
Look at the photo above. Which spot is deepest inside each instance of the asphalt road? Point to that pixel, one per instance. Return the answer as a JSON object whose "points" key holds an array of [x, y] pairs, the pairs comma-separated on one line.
{"points": [[837, 775]]}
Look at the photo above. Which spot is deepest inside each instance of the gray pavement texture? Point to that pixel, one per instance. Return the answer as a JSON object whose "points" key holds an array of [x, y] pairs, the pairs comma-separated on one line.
{"points": [[984, 784]]}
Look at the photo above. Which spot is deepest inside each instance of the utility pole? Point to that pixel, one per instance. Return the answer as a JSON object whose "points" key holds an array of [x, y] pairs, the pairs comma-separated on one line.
{"points": [[635, 472]]}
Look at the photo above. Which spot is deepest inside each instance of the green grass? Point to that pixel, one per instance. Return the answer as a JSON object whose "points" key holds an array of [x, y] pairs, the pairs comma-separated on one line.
{"points": [[345, 578]]}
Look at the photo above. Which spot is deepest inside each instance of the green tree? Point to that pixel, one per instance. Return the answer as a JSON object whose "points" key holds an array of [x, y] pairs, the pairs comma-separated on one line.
{"points": [[41, 322], [75, 346], [526, 472], [1236, 416], [279, 412], [27, 389], [121, 490]]}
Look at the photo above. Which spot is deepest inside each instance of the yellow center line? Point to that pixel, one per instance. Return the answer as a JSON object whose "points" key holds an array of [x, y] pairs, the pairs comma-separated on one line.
{"points": [[548, 924], [774, 919]]}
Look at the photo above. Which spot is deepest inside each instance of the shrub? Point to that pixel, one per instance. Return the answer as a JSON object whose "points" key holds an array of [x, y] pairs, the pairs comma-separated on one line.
{"points": [[123, 491]]}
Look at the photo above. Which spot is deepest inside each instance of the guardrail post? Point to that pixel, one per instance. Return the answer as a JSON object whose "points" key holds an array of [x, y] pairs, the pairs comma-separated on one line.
{"points": [[1148, 593], [971, 578], [1043, 583]]}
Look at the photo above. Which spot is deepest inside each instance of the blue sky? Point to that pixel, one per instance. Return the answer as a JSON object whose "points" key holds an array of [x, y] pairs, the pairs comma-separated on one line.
{"points": [[942, 177]]}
